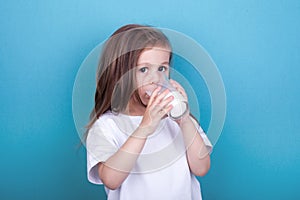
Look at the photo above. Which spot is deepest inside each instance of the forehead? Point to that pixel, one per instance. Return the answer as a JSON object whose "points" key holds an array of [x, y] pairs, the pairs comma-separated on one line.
{"points": [[155, 55]]}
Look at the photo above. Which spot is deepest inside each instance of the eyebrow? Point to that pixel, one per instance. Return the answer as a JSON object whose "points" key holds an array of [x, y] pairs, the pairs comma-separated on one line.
{"points": [[146, 63]]}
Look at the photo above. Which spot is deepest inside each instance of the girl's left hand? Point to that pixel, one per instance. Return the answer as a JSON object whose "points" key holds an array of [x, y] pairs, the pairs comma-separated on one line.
{"points": [[181, 90]]}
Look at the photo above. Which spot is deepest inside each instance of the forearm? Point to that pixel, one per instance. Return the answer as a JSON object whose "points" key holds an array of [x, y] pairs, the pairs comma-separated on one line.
{"points": [[117, 168], [197, 152]]}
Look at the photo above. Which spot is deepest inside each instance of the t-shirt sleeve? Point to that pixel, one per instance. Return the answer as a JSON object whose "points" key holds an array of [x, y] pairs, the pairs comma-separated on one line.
{"points": [[100, 145], [203, 135]]}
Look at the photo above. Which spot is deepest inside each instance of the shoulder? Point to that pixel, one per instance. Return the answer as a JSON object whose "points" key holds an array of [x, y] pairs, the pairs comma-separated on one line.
{"points": [[103, 121], [102, 127]]}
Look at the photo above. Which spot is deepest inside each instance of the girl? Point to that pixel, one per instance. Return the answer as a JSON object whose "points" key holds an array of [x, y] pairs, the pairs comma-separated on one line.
{"points": [[133, 147]]}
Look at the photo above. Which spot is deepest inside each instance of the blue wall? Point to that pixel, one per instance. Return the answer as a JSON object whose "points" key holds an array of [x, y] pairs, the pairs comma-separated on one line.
{"points": [[255, 45]]}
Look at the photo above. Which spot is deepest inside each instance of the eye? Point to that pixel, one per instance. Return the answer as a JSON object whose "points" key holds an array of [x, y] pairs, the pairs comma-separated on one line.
{"points": [[162, 68], [143, 69]]}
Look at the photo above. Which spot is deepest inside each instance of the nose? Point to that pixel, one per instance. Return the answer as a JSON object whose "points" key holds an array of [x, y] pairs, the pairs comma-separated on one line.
{"points": [[156, 77]]}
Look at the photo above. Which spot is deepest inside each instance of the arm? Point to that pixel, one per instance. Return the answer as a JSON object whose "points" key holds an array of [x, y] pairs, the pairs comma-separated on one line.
{"points": [[197, 153], [116, 169]]}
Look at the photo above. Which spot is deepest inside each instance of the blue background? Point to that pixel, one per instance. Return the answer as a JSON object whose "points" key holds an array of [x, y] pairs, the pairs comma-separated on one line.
{"points": [[255, 45]]}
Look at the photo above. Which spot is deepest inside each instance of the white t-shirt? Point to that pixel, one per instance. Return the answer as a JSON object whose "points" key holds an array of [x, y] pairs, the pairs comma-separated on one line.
{"points": [[161, 170]]}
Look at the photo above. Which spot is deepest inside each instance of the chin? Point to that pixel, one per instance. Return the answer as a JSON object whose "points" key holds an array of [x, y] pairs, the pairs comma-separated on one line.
{"points": [[145, 103], [144, 99]]}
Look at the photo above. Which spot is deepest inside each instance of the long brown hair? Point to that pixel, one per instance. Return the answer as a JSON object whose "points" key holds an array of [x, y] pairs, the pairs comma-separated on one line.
{"points": [[119, 56]]}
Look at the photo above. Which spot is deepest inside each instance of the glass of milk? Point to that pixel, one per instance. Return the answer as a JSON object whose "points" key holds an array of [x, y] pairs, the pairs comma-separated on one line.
{"points": [[179, 103]]}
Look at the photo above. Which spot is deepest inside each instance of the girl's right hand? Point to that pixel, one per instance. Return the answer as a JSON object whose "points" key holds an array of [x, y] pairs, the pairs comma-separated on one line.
{"points": [[158, 106]]}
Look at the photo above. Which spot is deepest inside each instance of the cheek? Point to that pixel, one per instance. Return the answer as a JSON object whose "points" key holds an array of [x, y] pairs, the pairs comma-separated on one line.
{"points": [[141, 91], [142, 94], [142, 81], [139, 80]]}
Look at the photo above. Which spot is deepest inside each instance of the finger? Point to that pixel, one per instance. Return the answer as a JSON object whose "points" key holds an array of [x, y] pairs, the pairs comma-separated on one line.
{"points": [[165, 110], [178, 87], [154, 94], [166, 101], [168, 108], [161, 102], [160, 97], [164, 106], [157, 108], [176, 84], [182, 92]]}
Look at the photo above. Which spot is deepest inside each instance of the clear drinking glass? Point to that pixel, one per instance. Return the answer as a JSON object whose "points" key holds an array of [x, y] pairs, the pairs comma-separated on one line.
{"points": [[179, 103]]}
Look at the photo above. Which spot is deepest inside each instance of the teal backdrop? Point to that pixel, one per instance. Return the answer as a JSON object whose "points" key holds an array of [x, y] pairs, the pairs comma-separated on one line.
{"points": [[254, 43]]}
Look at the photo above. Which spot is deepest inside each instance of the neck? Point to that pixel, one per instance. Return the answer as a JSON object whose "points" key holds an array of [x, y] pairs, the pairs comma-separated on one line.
{"points": [[135, 108]]}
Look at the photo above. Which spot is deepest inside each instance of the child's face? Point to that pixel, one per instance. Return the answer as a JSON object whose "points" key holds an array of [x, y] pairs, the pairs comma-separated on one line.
{"points": [[153, 64]]}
